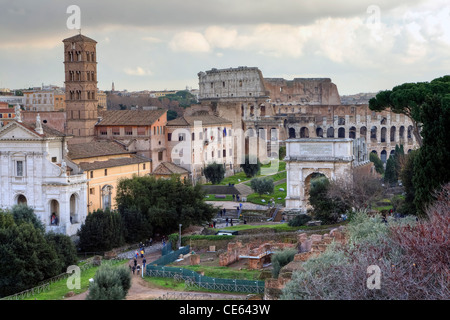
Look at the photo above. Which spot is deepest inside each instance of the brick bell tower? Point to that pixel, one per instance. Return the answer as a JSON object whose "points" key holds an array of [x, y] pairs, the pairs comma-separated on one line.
{"points": [[80, 66]]}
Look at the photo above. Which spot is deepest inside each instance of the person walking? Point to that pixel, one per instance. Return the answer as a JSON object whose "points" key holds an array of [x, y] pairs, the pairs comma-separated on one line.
{"points": [[144, 261], [138, 269]]}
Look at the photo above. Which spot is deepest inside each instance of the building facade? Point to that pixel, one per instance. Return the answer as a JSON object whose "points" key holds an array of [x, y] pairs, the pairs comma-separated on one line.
{"points": [[139, 131], [195, 141], [105, 162], [35, 170]]}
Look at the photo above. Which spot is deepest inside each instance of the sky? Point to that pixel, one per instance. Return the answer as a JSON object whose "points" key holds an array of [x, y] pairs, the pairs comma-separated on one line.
{"points": [[362, 45]]}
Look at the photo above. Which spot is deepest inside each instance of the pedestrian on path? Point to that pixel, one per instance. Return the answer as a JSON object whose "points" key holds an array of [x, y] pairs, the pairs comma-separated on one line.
{"points": [[138, 269], [144, 261]]}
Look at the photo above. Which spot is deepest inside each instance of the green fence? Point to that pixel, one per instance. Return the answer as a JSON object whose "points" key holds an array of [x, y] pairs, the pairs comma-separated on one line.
{"points": [[170, 257], [195, 280]]}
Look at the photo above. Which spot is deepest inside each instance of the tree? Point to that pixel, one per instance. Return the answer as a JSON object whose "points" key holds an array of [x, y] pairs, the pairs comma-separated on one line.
{"points": [[214, 172], [64, 248], [171, 114], [110, 283], [390, 175], [409, 99], [377, 162], [431, 169], [357, 193], [262, 185], [22, 213], [406, 175], [137, 226], [251, 166], [102, 231], [26, 256], [325, 208], [164, 202]]}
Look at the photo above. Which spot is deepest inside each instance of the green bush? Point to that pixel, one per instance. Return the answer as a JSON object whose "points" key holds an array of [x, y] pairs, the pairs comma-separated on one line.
{"points": [[214, 172], [299, 220], [262, 185], [280, 259], [110, 283]]}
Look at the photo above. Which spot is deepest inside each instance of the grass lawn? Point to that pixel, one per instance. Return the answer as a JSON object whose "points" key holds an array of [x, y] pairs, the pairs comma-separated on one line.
{"points": [[282, 227], [241, 177], [256, 198], [59, 288], [225, 272]]}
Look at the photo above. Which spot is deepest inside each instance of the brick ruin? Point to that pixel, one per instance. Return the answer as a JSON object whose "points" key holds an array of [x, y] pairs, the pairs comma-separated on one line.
{"points": [[308, 247]]}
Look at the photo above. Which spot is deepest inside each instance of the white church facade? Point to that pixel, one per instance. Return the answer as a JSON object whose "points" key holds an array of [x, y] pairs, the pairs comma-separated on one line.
{"points": [[34, 170]]}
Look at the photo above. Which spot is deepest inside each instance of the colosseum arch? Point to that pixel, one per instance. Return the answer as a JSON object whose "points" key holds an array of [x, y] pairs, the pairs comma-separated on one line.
{"points": [[332, 157]]}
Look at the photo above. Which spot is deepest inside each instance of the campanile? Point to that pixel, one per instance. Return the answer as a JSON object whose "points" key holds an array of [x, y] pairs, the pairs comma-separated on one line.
{"points": [[80, 66]]}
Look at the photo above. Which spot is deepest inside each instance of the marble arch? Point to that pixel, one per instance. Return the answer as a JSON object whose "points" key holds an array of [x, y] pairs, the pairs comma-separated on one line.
{"points": [[333, 157]]}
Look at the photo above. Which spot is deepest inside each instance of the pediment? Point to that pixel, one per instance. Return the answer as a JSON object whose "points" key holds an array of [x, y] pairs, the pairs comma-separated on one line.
{"points": [[15, 131]]}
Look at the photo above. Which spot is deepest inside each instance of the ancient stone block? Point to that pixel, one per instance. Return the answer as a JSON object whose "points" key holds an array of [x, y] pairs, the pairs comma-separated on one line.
{"points": [[194, 259]]}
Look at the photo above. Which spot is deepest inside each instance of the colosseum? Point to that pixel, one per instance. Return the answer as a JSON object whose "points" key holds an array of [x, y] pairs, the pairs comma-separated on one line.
{"points": [[298, 108]]}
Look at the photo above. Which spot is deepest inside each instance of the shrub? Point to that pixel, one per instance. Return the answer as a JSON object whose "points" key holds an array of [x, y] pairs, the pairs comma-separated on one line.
{"points": [[110, 284], [214, 172], [250, 167], [299, 220], [262, 185], [280, 259]]}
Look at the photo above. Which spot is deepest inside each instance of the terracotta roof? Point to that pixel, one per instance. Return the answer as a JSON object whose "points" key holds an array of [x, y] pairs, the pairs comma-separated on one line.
{"points": [[169, 168], [116, 162], [47, 131], [79, 37], [130, 117], [205, 119], [95, 149]]}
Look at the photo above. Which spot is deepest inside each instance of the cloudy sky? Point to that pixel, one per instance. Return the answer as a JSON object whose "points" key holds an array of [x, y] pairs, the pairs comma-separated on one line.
{"points": [[362, 45]]}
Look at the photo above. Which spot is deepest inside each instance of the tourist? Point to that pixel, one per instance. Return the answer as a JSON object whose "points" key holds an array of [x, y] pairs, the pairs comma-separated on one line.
{"points": [[226, 220], [133, 269], [138, 269], [144, 261], [142, 253], [53, 219]]}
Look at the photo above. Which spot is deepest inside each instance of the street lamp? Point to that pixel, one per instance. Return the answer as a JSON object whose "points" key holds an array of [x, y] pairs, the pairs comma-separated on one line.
{"points": [[179, 237]]}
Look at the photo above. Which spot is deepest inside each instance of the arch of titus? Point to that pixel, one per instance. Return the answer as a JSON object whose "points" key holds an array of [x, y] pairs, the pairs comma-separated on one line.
{"points": [[335, 158]]}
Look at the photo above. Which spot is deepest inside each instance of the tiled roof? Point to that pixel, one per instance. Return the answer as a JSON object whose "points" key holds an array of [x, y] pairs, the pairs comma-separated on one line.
{"points": [[116, 162], [95, 149], [168, 168], [130, 117], [205, 119], [79, 37]]}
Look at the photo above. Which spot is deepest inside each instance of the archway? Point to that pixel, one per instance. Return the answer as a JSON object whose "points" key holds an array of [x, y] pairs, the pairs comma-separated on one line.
{"points": [[352, 133], [319, 132], [73, 209], [304, 132], [291, 133], [106, 196], [341, 133], [330, 132], [363, 132], [373, 134], [383, 156], [54, 213], [21, 200], [383, 134], [393, 130], [315, 179]]}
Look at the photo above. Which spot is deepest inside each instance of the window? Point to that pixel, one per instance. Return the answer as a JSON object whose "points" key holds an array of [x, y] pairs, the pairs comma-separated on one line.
{"points": [[92, 190], [160, 156], [106, 172], [53, 159], [103, 132], [92, 174], [181, 137], [116, 131], [224, 153], [169, 137], [143, 166], [19, 168], [128, 131], [141, 131]]}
